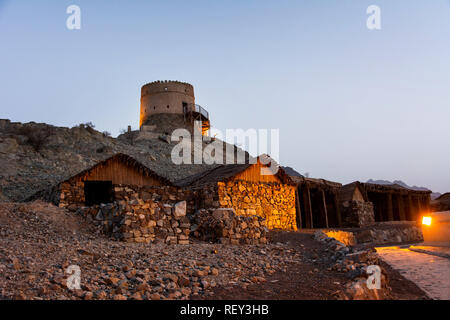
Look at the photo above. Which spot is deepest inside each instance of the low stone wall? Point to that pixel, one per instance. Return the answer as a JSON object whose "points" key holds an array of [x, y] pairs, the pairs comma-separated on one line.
{"points": [[141, 221], [272, 201], [392, 232], [224, 226], [357, 213]]}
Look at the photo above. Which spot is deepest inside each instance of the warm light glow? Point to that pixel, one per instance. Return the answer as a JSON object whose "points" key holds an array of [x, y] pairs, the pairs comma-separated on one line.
{"points": [[426, 221]]}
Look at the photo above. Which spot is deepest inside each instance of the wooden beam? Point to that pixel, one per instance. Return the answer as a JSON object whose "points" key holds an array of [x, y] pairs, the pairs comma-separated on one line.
{"points": [[419, 207], [338, 209], [299, 209], [325, 208], [390, 210], [410, 214], [311, 224], [401, 207]]}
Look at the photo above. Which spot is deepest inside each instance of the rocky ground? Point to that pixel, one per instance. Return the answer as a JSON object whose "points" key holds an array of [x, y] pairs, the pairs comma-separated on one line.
{"points": [[39, 242]]}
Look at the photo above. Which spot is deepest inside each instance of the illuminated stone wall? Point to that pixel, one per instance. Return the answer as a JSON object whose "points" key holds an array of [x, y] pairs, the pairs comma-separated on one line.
{"points": [[272, 201]]}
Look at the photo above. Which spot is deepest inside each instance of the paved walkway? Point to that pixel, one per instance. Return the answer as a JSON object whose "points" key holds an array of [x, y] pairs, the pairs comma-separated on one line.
{"points": [[430, 273]]}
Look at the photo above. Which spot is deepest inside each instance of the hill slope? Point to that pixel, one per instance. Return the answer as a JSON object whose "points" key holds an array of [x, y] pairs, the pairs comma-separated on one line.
{"points": [[35, 156]]}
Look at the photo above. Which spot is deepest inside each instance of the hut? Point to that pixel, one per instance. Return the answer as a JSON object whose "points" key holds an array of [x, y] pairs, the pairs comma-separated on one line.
{"points": [[250, 189], [355, 209], [391, 202], [317, 203], [115, 178]]}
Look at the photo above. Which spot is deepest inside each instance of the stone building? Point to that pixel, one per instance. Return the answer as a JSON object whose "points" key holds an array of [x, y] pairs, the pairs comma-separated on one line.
{"points": [[171, 103], [119, 177], [326, 204], [388, 202], [355, 210], [396, 203], [244, 188]]}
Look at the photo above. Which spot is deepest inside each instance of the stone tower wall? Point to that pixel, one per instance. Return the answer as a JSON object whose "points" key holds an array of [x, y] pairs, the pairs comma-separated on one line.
{"points": [[164, 97]]}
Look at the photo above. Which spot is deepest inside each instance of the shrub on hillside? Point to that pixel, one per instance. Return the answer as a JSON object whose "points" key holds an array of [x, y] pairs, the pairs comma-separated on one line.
{"points": [[36, 136]]}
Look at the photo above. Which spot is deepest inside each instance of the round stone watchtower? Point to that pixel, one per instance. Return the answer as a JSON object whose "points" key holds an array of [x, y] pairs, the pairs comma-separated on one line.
{"points": [[172, 97]]}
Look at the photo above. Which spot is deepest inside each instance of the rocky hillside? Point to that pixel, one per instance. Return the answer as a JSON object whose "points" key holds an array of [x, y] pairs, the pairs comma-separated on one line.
{"points": [[36, 156]]}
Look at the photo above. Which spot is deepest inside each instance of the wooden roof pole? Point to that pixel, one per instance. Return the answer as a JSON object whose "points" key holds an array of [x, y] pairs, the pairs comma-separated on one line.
{"points": [[390, 208], [401, 207], [310, 208], [299, 210], [338, 210], [410, 214], [419, 206], [325, 208]]}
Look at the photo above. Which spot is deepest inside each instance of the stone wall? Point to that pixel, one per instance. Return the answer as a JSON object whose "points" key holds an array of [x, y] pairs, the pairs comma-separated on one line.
{"points": [[272, 201], [71, 194], [392, 232], [357, 213], [165, 194], [224, 226], [141, 221]]}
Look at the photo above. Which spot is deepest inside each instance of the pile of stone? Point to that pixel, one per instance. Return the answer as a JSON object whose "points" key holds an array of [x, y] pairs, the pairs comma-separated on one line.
{"points": [[355, 264], [141, 221], [224, 226], [336, 249]]}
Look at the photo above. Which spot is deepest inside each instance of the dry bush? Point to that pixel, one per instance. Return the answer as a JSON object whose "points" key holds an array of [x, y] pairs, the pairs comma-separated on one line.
{"points": [[89, 126], [36, 136]]}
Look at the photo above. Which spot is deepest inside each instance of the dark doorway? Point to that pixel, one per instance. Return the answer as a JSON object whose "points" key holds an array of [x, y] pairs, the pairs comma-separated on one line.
{"points": [[318, 211], [332, 209], [97, 192]]}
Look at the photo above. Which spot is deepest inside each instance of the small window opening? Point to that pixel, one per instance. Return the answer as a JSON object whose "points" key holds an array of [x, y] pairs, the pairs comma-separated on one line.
{"points": [[97, 192]]}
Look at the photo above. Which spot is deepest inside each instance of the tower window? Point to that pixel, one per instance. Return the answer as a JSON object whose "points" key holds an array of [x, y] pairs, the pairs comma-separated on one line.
{"points": [[167, 106], [165, 89]]}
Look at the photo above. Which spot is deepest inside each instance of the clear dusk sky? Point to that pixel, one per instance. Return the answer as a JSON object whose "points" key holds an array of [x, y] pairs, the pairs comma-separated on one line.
{"points": [[350, 103]]}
